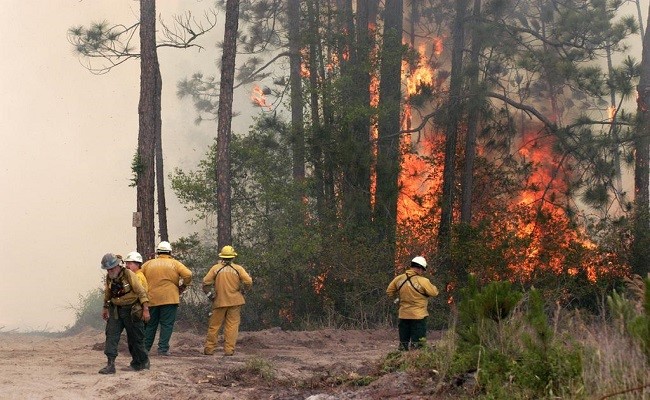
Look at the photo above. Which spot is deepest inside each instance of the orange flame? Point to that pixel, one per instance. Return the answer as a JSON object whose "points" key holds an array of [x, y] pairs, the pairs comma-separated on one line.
{"points": [[258, 97]]}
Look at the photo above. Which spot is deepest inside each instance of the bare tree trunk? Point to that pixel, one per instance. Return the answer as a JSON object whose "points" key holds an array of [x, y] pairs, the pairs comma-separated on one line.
{"points": [[297, 123], [145, 232], [467, 186], [454, 116], [388, 143], [224, 117], [160, 172], [641, 245]]}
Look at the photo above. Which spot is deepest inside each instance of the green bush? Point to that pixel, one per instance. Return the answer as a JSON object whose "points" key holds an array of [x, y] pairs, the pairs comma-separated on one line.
{"points": [[88, 311]]}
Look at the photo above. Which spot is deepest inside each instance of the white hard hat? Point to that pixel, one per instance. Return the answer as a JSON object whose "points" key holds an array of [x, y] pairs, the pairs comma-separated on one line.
{"points": [[133, 256], [164, 247], [419, 260]]}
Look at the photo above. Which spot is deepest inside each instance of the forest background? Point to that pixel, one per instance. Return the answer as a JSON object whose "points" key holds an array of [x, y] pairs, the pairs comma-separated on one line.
{"points": [[326, 204]]}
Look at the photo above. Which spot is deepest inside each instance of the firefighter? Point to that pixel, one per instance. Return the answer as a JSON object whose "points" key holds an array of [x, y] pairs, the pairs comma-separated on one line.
{"points": [[167, 278], [125, 307], [412, 290], [133, 261], [223, 284]]}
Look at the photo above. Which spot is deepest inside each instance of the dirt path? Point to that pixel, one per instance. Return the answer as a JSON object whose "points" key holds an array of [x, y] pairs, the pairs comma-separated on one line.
{"points": [[269, 364]]}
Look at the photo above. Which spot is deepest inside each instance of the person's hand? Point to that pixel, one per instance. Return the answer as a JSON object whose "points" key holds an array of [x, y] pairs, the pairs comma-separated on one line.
{"points": [[145, 314], [211, 296], [105, 314], [182, 288]]}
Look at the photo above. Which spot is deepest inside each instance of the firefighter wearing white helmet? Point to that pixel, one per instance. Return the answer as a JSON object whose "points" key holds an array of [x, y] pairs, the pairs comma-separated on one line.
{"points": [[167, 279], [223, 284], [133, 261], [412, 290]]}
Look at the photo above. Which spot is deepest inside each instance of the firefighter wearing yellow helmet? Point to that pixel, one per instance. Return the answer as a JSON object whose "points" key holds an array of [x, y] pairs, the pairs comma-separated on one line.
{"points": [[223, 284], [412, 290]]}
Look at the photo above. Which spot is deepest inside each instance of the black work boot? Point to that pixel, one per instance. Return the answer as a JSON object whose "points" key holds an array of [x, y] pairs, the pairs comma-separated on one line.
{"points": [[109, 368]]}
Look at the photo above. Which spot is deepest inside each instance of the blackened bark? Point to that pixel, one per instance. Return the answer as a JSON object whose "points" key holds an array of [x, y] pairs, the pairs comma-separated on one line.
{"points": [[388, 144], [297, 124], [467, 185], [160, 171], [454, 116], [145, 233], [224, 117], [641, 245]]}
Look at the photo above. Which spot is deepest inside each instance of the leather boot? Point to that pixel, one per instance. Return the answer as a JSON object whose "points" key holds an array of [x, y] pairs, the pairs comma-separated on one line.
{"points": [[109, 368]]}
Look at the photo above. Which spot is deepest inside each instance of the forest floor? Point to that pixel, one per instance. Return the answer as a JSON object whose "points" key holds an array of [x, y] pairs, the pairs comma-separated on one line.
{"points": [[269, 364]]}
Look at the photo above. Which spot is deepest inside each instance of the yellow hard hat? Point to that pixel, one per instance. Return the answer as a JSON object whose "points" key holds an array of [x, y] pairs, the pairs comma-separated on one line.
{"points": [[227, 252]]}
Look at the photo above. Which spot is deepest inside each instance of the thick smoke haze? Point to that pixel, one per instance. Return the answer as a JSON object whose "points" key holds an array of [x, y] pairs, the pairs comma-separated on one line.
{"points": [[67, 141]]}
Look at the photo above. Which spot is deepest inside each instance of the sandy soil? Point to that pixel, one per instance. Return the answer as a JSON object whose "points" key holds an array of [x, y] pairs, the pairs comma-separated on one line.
{"points": [[269, 364]]}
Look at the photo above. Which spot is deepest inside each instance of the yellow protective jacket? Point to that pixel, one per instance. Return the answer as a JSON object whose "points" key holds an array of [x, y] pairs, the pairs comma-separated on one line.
{"points": [[413, 291], [124, 290], [164, 274], [227, 280], [143, 280]]}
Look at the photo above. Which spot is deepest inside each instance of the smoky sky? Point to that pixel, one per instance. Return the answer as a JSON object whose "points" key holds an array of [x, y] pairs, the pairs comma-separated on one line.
{"points": [[68, 138]]}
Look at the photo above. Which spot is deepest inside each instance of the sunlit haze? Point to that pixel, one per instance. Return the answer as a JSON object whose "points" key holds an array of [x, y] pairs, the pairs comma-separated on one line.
{"points": [[68, 138]]}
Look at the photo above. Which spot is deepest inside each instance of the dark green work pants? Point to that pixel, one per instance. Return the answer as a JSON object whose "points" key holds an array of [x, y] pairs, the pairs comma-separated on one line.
{"points": [[119, 319], [412, 333], [165, 316]]}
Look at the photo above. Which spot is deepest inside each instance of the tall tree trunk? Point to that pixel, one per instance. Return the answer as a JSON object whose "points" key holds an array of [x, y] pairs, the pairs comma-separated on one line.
{"points": [[467, 186], [388, 143], [160, 172], [355, 146], [145, 232], [224, 117], [641, 245], [297, 123], [454, 116]]}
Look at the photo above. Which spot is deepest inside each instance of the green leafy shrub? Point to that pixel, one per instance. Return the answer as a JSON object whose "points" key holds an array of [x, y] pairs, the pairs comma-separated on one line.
{"points": [[88, 311]]}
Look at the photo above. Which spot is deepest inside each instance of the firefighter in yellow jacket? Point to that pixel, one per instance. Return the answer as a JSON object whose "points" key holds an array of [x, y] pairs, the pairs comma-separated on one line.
{"points": [[167, 279], [223, 284], [412, 291], [125, 307]]}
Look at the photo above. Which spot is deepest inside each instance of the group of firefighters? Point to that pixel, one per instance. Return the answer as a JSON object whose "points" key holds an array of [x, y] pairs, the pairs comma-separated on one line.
{"points": [[139, 297]]}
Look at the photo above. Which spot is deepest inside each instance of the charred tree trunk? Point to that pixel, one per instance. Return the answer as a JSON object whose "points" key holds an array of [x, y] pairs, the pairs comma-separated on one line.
{"points": [[467, 185], [145, 232], [388, 144], [641, 245], [224, 117], [297, 124], [452, 125], [160, 172]]}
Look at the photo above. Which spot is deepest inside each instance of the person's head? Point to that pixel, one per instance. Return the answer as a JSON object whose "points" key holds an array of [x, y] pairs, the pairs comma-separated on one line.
{"points": [[133, 261], [227, 253], [164, 248], [419, 262], [112, 264]]}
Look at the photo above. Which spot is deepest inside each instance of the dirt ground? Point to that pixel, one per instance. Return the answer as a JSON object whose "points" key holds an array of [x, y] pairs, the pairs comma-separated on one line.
{"points": [[269, 364]]}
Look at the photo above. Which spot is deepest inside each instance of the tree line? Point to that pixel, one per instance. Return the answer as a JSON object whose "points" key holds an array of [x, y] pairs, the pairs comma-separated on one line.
{"points": [[311, 194]]}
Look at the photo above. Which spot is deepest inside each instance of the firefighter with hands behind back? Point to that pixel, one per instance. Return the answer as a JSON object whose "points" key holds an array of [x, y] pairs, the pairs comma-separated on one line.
{"points": [[167, 279], [412, 291], [126, 306], [223, 284]]}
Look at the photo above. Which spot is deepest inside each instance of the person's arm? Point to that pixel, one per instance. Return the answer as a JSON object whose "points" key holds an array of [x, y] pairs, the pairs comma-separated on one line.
{"points": [[107, 300]]}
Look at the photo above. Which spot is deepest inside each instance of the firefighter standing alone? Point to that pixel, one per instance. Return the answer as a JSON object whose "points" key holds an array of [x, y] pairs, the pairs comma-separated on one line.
{"points": [[412, 290], [223, 284]]}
